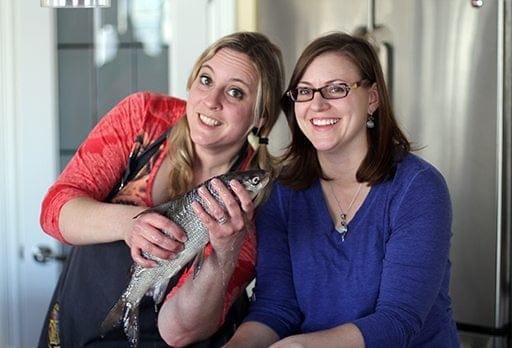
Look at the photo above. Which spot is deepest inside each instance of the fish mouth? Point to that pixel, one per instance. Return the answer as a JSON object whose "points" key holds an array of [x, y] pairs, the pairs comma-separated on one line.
{"points": [[209, 121], [323, 122]]}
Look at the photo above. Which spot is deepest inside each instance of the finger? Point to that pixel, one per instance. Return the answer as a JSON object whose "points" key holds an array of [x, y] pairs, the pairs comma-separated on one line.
{"points": [[213, 207], [163, 224], [229, 200], [201, 213], [246, 203], [149, 250], [136, 254]]}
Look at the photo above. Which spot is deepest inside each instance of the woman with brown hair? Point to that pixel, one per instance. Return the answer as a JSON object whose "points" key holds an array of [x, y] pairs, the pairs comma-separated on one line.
{"points": [[353, 243]]}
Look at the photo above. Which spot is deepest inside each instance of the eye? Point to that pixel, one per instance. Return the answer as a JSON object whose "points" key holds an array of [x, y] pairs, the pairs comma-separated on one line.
{"points": [[236, 93], [336, 90], [256, 180], [303, 91], [205, 80]]}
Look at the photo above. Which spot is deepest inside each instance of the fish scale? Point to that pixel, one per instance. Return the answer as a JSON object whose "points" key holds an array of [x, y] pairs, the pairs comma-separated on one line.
{"points": [[145, 281]]}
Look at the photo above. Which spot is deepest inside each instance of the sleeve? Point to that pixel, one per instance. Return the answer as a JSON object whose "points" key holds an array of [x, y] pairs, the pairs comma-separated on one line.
{"points": [[98, 163], [275, 303], [416, 261]]}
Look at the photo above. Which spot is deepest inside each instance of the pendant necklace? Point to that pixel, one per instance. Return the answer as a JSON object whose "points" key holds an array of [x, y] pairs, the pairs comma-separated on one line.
{"points": [[343, 227]]}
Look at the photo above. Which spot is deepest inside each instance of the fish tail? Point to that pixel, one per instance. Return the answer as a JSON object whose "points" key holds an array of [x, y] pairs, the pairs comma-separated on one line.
{"points": [[126, 313], [113, 318]]}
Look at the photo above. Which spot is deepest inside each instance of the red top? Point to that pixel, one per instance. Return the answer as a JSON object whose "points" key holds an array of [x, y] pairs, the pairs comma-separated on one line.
{"points": [[99, 163]]}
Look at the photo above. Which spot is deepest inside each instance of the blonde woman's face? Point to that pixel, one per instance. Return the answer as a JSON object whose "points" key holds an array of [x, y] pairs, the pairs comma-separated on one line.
{"points": [[221, 102]]}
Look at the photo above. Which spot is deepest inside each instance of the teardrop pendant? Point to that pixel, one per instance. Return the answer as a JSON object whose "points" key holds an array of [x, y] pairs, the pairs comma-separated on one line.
{"points": [[342, 228]]}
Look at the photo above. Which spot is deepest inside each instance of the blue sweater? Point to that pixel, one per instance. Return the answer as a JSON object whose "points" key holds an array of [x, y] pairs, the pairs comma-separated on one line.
{"points": [[390, 277]]}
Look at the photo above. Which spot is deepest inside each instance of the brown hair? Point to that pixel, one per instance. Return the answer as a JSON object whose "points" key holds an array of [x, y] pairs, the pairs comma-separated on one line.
{"points": [[385, 141], [267, 58]]}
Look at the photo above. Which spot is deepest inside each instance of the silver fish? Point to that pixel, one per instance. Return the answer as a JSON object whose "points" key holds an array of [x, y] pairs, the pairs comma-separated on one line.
{"points": [[154, 281]]}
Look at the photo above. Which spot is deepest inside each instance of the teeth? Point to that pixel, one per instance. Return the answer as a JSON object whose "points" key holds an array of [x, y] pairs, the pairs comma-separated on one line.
{"points": [[324, 122], [208, 120]]}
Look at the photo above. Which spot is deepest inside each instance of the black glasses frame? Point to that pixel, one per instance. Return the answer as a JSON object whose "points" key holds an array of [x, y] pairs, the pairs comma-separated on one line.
{"points": [[293, 93]]}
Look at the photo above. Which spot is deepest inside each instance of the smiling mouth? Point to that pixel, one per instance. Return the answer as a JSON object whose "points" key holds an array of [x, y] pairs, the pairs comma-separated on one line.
{"points": [[324, 121], [209, 121]]}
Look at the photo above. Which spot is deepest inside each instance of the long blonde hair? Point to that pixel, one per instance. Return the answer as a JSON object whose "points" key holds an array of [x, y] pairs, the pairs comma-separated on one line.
{"points": [[267, 58]]}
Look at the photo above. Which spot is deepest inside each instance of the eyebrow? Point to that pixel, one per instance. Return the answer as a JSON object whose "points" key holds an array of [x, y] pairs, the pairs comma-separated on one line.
{"points": [[330, 82], [207, 66]]}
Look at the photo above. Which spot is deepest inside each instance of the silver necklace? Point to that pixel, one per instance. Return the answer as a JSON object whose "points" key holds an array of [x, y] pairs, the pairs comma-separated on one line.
{"points": [[343, 227]]}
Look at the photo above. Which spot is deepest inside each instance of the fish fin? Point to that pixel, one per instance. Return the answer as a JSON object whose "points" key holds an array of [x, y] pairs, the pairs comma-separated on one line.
{"points": [[114, 317], [159, 291], [149, 210], [198, 263], [166, 209]]}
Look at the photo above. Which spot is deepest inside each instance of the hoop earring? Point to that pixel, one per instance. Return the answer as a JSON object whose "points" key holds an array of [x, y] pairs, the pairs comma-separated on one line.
{"points": [[370, 123]]}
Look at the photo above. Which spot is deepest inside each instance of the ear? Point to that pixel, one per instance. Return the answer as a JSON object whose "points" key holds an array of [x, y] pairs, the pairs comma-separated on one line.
{"points": [[373, 99]]}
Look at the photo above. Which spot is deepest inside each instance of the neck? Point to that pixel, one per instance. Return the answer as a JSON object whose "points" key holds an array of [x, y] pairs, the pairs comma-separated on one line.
{"points": [[342, 165], [208, 164]]}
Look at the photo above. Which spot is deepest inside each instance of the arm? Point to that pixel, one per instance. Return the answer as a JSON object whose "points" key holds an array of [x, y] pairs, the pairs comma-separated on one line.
{"points": [[196, 307], [73, 211], [255, 335], [416, 260], [342, 336], [252, 334], [84, 220]]}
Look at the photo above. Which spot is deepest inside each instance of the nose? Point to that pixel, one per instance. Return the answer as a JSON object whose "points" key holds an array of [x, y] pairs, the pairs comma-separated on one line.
{"points": [[318, 102], [213, 98]]}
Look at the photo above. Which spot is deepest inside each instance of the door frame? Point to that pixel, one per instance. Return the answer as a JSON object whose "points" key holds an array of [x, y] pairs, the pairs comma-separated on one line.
{"points": [[29, 153]]}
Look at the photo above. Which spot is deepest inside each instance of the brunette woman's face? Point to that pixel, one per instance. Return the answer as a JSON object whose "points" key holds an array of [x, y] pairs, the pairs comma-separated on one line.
{"points": [[334, 125], [222, 99]]}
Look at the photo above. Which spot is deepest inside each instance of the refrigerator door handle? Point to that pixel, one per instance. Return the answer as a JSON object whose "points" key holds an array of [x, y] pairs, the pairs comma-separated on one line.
{"points": [[378, 37], [477, 3]]}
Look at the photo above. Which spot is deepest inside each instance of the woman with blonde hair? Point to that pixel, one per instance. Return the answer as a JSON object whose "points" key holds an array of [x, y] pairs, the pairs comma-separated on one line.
{"points": [[148, 149]]}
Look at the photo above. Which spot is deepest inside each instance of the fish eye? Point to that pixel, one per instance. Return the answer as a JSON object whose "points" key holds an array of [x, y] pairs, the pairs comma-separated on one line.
{"points": [[255, 180]]}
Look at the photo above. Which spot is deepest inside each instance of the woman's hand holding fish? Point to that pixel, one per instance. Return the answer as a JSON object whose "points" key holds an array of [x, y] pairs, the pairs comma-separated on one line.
{"points": [[157, 235], [227, 225]]}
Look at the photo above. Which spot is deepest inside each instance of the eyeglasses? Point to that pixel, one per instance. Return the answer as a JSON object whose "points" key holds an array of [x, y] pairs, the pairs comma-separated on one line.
{"points": [[334, 91]]}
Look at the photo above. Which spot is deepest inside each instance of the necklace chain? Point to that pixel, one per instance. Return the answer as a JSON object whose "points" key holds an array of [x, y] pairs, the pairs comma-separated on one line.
{"points": [[343, 227]]}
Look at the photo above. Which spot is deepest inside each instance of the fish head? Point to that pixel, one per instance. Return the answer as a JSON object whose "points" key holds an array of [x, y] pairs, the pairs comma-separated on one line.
{"points": [[255, 181]]}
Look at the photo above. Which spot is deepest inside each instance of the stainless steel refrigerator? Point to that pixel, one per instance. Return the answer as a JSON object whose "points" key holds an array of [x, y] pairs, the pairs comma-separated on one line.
{"points": [[448, 64]]}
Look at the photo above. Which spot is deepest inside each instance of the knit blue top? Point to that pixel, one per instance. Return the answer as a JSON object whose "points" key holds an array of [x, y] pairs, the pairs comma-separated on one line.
{"points": [[390, 276]]}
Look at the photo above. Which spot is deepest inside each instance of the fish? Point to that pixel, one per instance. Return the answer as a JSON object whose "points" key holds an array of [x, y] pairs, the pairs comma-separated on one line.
{"points": [[154, 281]]}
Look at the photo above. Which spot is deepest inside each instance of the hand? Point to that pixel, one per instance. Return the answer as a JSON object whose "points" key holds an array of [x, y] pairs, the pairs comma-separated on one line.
{"points": [[227, 226], [157, 235]]}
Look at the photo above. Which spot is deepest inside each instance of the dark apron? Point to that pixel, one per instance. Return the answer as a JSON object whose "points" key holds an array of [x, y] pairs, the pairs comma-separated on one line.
{"points": [[93, 279]]}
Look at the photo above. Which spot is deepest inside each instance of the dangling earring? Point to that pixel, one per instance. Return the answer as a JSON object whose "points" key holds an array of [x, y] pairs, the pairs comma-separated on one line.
{"points": [[370, 123]]}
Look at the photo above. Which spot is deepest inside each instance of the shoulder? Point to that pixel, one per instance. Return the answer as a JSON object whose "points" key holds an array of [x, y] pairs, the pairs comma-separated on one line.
{"points": [[157, 104], [284, 196], [150, 111], [415, 179], [413, 167]]}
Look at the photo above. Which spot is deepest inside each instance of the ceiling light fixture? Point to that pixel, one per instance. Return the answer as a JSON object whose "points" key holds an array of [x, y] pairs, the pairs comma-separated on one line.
{"points": [[75, 3]]}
